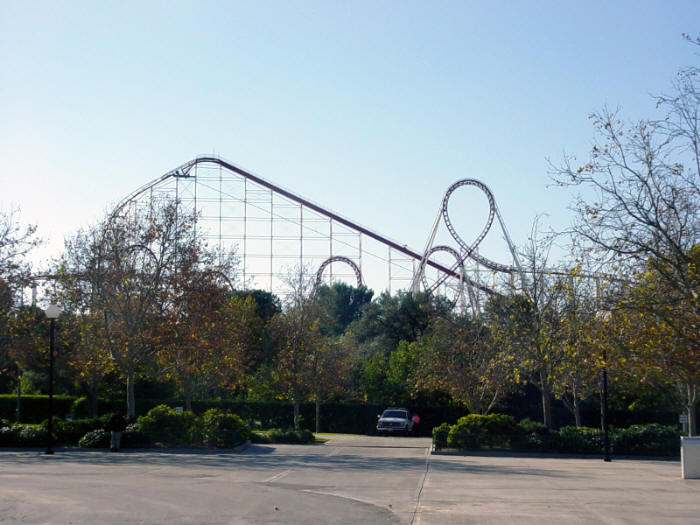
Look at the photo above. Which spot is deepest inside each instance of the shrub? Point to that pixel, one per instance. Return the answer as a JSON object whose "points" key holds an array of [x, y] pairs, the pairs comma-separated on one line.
{"points": [[580, 440], [528, 426], [133, 437], [440, 434], [460, 436], [70, 432], [260, 437], [493, 430], [31, 435], [165, 427], [287, 436], [222, 429], [647, 440], [8, 436], [95, 439], [533, 436], [291, 436]]}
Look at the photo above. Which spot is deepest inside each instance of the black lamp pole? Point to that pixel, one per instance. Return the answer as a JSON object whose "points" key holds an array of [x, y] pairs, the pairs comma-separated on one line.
{"points": [[52, 312], [49, 446], [606, 435]]}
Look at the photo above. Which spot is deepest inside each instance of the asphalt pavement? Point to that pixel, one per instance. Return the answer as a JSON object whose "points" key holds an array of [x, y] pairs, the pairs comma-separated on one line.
{"points": [[348, 479]]}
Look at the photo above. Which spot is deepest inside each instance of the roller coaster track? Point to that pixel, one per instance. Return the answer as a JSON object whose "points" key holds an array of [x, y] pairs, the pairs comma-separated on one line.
{"points": [[185, 171], [467, 251], [458, 271]]}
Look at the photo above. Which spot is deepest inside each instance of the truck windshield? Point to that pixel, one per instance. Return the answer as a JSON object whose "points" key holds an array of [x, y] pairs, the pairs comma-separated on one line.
{"points": [[395, 413]]}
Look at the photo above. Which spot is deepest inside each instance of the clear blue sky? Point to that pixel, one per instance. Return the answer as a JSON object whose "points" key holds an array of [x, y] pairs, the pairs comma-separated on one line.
{"points": [[369, 108]]}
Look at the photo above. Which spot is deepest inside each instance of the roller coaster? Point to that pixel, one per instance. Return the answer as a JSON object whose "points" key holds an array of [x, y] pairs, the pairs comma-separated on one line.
{"points": [[274, 230]]}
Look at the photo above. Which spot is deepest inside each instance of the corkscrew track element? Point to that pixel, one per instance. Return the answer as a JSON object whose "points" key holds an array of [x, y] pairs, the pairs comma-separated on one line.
{"points": [[467, 251]]}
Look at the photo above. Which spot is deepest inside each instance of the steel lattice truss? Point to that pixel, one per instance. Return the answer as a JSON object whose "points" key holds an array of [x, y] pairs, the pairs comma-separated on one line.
{"points": [[275, 232]]}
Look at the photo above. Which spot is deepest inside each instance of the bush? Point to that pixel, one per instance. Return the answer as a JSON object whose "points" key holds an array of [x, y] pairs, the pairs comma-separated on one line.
{"points": [[460, 436], [95, 439], [70, 432], [495, 430], [440, 434], [533, 436], [528, 426], [221, 429], [165, 427], [31, 435], [286, 436], [580, 440], [647, 440], [8, 436], [133, 437], [291, 436]]}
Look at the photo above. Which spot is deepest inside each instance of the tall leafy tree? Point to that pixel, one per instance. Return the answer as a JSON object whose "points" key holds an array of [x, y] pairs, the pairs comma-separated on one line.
{"points": [[643, 220], [457, 356], [129, 270]]}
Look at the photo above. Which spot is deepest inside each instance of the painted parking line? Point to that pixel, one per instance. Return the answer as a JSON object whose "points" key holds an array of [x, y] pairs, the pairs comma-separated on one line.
{"points": [[277, 476]]}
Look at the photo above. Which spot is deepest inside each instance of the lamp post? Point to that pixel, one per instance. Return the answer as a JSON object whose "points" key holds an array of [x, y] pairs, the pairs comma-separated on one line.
{"points": [[606, 434], [52, 312], [604, 316]]}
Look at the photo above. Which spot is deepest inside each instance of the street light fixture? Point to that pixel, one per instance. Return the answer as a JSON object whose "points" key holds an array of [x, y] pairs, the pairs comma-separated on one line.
{"points": [[52, 312]]}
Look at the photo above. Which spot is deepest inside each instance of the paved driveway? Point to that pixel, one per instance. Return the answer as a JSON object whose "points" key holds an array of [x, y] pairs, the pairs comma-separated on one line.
{"points": [[349, 479]]}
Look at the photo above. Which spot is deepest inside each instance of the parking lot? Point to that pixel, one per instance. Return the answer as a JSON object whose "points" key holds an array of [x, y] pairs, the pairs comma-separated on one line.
{"points": [[348, 479]]}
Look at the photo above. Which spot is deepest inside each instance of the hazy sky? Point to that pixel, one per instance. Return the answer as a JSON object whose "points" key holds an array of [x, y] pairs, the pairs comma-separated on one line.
{"points": [[370, 108]]}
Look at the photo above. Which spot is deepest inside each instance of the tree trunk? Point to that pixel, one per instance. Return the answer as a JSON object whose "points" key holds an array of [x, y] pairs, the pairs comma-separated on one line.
{"points": [[692, 420], [295, 402], [18, 406], [187, 387], [577, 411], [92, 399], [130, 398], [547, 409], [546, 402], [691, 402], [296, 414], [318, 415]]}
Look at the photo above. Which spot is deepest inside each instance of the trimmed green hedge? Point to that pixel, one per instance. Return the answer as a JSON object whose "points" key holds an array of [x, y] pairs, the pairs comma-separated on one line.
{"points": [[221, 429], [350, 418], [34, 409], [475, 432], [286, 436]]}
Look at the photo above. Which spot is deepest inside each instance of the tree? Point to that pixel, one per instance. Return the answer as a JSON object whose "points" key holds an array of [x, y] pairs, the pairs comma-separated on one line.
{"points": [[129, 270], [527, 324], [456, 355], [341, 305], [644, 217], [207, 335], [577, 374], [16, 243], [372, 339], [662, 342], [296, 337], [88, 357], [330, 367]]}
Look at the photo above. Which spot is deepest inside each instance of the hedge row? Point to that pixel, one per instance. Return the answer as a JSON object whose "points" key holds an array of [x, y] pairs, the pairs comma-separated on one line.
{"points": [[352, 418], [34, 409], [162, 426], [474, 432]]}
